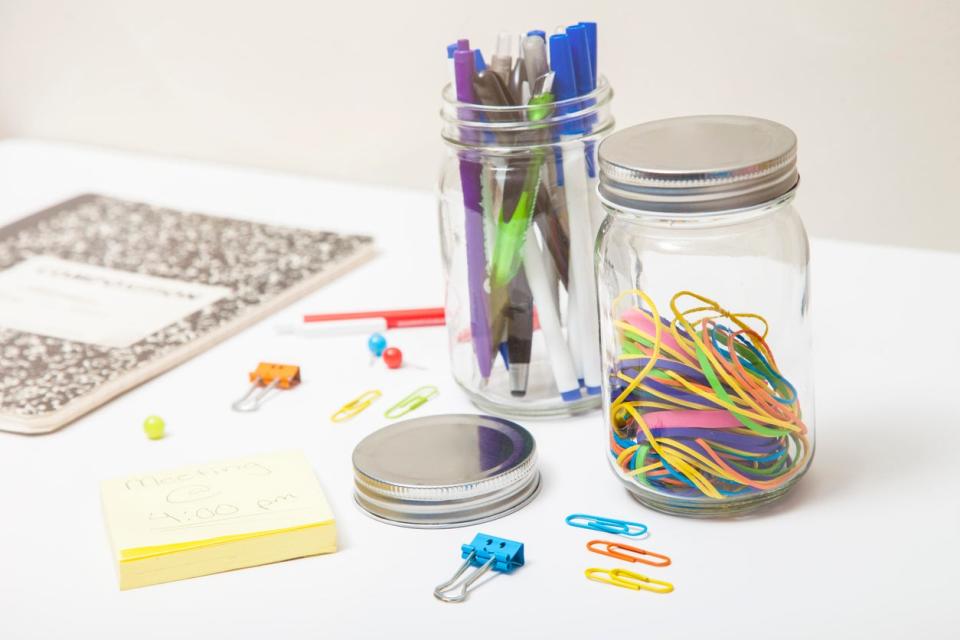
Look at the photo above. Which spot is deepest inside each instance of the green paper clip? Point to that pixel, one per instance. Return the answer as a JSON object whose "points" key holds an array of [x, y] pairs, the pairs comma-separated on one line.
{"points": [[411, 402]]}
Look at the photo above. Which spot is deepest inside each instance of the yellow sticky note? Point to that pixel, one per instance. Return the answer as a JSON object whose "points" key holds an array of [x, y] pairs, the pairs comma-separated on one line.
{"points": [[203, 519]]}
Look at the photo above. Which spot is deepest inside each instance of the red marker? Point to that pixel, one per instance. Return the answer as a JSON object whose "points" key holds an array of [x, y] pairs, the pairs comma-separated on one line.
{"points": [[351, 322]]}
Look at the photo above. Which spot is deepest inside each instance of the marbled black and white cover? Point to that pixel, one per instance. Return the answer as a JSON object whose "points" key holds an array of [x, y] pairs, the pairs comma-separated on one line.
{"points": [[47, 381]]}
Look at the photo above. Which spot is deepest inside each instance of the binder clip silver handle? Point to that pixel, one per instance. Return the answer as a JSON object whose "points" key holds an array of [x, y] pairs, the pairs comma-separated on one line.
{"points": [[447, 590], [250, 402]]}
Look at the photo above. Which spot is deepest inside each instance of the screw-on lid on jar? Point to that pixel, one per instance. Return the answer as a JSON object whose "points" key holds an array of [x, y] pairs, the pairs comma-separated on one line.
{"points": [[698, 164]]}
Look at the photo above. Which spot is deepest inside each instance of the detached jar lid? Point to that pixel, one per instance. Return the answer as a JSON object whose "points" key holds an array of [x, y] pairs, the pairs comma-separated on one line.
{"points": [[698, 164], [445, 471]]}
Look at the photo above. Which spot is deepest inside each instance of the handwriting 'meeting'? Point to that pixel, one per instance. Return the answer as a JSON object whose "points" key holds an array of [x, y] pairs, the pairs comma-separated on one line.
{"points": [[153, 481]]}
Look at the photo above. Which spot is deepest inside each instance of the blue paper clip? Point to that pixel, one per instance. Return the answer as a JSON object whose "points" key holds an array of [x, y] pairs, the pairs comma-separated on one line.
{"points": [[607, 525], [485, 552]]}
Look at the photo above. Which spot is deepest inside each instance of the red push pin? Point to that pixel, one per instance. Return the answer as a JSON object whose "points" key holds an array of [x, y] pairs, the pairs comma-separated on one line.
{"points": [[392, 357]]}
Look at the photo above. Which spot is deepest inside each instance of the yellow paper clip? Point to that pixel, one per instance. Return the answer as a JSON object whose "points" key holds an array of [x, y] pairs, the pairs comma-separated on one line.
{"points": [[411, 402], [628, 580], [267, 376], [356, 405]]}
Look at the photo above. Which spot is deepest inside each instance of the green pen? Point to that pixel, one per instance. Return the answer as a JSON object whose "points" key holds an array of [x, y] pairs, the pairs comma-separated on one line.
{"points": [[512, 231]]}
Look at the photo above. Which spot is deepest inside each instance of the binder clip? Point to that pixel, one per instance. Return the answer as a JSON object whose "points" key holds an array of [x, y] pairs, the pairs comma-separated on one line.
{"points": [[265, 377], [486, 553], [355, 406]]}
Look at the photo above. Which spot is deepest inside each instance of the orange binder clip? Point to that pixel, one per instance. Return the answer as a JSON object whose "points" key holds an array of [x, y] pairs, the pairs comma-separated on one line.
{"points": [[265, 377], [622, 551]]}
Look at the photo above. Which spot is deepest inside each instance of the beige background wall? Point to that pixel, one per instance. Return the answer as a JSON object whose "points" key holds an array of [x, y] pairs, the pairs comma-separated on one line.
{"points": [[349, 90]]}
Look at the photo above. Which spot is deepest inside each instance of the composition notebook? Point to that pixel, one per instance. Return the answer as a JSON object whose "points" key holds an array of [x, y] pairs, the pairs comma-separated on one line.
{"points": [[203, 519], [97, 295]]}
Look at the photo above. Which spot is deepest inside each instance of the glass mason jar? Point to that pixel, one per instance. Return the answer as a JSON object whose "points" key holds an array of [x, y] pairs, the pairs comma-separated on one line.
{"points": [[518, 215], [704, 302]]}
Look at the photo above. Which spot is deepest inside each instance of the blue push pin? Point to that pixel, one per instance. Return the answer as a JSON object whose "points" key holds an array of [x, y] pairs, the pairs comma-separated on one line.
{"points": [[377, 344]]}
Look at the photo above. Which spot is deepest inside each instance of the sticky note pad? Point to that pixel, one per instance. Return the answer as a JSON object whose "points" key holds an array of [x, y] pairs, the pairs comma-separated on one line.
{"points": [[203, 519]]}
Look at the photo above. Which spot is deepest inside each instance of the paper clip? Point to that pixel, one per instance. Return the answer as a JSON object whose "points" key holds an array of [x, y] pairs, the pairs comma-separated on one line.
{"points": [[356, 405], [486, 553], [628, 553], [628, 580], [607, 525], [411, 402], [267, 376]]}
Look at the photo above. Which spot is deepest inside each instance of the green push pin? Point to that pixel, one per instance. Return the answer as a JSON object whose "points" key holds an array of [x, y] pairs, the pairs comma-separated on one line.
{"points": [[153, 426]]}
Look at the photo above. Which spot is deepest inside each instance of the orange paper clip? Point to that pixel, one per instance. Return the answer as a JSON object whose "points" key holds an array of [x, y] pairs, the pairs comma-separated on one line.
{"points": [[267, 376], [622, 551]]}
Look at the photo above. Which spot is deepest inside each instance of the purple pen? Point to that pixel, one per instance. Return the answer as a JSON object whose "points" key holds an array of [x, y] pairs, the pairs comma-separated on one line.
{"points": [[470, 179]]}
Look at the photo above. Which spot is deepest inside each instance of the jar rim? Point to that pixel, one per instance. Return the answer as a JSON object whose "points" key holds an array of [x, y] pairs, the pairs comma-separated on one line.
{"points": [[510, 127], [675, 214], [698, 164], [603, 91]]}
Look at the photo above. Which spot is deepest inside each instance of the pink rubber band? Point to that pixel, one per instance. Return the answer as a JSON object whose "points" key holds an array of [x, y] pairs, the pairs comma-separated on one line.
{"points": [[644, 323], [710, 419]]}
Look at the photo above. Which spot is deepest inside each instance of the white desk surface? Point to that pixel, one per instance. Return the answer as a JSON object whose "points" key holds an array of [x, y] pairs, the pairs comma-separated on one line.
{"points": [[866, 546]]}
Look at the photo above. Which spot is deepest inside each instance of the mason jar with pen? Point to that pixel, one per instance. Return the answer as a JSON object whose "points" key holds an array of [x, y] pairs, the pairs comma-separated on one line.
{"points": [[518, 217]]}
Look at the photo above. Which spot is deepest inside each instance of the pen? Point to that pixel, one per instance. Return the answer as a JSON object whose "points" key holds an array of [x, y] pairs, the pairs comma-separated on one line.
{"points": [[557, 350], [491, 91], [392, 318], [519, 314], [502, 60], [534, 57], [470, 179], [584, 81], [547, 216], [512, 229], [591, 29], [517, 79], [565, 88]]}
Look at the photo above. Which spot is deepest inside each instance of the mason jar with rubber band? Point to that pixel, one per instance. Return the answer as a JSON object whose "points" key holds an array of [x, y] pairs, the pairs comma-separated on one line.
{"points": [[702, 267]]}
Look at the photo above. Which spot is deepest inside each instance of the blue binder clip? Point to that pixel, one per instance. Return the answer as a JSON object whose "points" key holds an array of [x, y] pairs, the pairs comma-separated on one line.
{"points": [[486, 553], [606, 525]]}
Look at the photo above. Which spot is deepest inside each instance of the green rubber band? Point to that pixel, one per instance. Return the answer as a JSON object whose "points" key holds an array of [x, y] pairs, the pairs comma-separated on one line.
{"points": [[723, 395]]}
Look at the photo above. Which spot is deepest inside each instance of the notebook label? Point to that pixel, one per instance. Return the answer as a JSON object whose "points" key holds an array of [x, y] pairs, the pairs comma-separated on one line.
{"points": [[80, 302]]}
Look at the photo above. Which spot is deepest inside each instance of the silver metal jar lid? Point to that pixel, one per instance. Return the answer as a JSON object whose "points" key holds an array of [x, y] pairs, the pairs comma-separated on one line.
{"points": [[445, 471], [698, 164]]}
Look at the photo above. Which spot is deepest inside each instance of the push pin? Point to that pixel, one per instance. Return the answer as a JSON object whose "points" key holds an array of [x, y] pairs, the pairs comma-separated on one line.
{"points": [[486, 553], [377, 344], [393, 358], [265, 377]]}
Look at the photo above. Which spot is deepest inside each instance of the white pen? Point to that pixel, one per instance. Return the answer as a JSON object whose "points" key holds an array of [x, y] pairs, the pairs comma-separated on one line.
{"points": [[579, 278], [560, 360]]}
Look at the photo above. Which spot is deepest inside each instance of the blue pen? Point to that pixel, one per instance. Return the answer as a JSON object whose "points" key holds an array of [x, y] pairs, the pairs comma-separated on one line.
{"points": [[580, 36], [580, 52], [479, 63], [564, 81], [537, 32], [591, 28]]}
